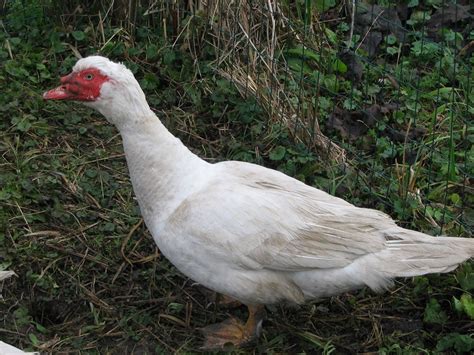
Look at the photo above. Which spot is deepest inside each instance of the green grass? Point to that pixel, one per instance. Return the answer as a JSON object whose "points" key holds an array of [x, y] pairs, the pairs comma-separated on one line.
{"points": [[90, 278]]}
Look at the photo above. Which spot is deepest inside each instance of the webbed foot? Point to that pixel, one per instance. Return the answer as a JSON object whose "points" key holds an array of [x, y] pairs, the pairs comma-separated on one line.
{"points": [[233, 332]]}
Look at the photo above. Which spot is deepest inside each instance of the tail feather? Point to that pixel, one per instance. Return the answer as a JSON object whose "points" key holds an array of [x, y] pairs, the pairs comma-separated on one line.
{"points": [[412, 253], [409, 253]]}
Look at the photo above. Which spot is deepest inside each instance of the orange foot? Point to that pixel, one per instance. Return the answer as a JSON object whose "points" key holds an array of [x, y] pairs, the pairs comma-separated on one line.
{"points": [[232, 332]]}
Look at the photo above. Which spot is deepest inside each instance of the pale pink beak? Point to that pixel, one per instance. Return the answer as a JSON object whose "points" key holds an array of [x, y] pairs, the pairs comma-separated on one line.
{"points": [[61, 92]]}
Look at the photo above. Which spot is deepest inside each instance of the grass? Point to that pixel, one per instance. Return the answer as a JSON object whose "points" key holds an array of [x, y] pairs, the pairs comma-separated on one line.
{"points": [[90, 279]]}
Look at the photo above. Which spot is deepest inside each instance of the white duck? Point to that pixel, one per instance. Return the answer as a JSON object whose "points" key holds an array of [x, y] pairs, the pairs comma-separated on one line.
{"points": [[6, 274], [245, 231]]}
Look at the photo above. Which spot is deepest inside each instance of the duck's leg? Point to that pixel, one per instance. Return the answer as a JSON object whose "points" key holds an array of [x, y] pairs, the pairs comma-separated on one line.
{"points": [[227, 301], [233, 332]]}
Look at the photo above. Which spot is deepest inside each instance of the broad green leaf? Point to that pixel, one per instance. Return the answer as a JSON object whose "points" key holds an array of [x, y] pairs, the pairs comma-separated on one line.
{"points": [[299, 66], [458, 305], [433, 313], [332, 36], [391, 39], [331, 83], [418, 17], [277, 153], [34, 340], [339, 66], [444, 92], [40, 328], [302, 51], [465, 277], [455, 198], [15, 40], [108, 227], [79, 35], [468, 304], [392, 50]]}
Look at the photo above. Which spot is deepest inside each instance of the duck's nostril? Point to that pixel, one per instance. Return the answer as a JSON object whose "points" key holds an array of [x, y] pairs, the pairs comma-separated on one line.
{"points": [[66, 78]]}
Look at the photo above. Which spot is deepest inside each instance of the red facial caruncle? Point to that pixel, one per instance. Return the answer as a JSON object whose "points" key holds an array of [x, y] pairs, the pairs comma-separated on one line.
{"points": [[81, 86]]}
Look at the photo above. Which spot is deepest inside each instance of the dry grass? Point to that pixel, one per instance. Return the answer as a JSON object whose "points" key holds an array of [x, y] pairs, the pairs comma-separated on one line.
{"points": [[249, 38]]}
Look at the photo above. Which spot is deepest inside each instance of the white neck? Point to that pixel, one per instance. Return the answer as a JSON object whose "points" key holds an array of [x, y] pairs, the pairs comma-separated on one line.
{"points": [[163, 171]]}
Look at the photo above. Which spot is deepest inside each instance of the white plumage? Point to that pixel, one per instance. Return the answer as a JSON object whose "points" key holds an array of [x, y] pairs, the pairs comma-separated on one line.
{"points": [[7, 349], [6, 274], [253, 233]]}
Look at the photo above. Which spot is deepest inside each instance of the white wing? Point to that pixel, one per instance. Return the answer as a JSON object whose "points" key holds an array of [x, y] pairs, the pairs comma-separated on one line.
{"points": [[261, 218]]}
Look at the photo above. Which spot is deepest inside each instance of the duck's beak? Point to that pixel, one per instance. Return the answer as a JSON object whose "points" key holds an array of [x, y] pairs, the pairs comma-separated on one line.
{"points": [[62, 92]]}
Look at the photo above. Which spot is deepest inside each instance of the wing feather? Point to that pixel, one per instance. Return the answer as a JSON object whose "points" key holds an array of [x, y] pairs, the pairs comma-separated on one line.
{"points": [[261, 218]]}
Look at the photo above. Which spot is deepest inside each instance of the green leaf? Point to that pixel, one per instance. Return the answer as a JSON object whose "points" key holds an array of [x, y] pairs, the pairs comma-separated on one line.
{"points": [[339, 66], [465, 277], [468, 304], [299, 66], [78, 35], [277, 153], [455, 198], [174, 307], [15, 41], [301, 51], [92, 173], [34, 340], [331, 35], [392, 50], [40, 328], [391, 39], [22, 123], [460, 343], [444, 92], [151, 52], [193, 93], [349, 104], [331, 83], [418, 17], [323, 5], [458, 305], [58, 47], [150, 81], [108, 227], [433, 313]]}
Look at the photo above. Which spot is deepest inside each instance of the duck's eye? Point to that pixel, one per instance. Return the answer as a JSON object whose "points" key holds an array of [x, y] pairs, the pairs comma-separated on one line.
{"points": [[89, 76]]}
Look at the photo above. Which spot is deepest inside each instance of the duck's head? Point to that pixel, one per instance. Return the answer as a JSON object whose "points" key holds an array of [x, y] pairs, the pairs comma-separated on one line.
{"points": [[103, 85]]}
